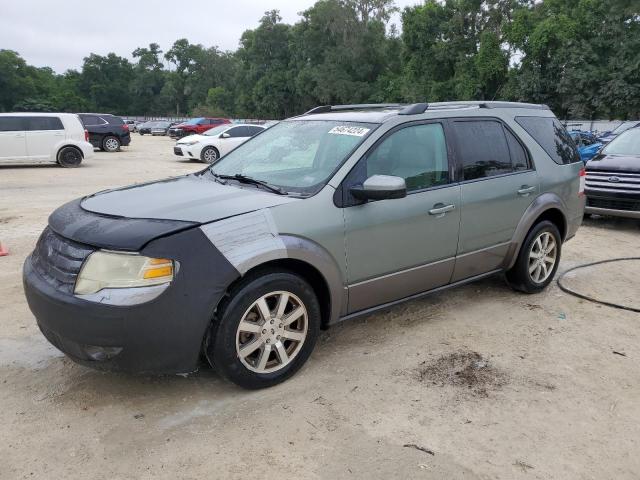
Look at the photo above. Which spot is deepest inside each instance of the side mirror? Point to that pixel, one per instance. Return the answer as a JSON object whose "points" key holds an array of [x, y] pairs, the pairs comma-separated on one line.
{"points": [[225, 135], [380, 187]]}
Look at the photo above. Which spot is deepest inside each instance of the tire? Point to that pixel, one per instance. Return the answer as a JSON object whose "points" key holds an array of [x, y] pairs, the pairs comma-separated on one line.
{"points": [[69, 157], [141, 134], [209, 155], [271, 337], [111, 144], [533, 270]]}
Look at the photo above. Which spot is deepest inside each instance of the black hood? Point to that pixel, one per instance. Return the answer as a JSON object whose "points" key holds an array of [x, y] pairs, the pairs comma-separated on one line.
{"points": [[192, 198], [615, 163]]}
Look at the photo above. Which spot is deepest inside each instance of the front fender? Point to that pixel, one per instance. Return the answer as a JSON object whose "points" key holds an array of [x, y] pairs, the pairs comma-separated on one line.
{"points": [[252, 239]]}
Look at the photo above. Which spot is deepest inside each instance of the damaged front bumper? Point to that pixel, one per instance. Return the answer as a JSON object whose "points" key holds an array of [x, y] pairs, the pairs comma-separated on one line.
{"points": [[164, 334]]}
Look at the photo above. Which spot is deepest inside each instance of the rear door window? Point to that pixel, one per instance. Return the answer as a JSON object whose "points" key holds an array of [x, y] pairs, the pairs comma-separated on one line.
{"points": [[549, 133], [43, 123], [12, 124], [482, 149], [519, 157]]}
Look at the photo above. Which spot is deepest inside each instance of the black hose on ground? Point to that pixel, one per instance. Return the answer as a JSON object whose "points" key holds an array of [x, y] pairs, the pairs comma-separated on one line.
{"points": [[591, 299]]}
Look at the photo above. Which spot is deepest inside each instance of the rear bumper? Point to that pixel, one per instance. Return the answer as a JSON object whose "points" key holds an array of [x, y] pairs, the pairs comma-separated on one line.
{"points": [[125, 140]]}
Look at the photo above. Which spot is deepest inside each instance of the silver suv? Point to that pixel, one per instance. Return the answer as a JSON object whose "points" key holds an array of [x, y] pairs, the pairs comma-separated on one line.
{"points": [[320, 218]]}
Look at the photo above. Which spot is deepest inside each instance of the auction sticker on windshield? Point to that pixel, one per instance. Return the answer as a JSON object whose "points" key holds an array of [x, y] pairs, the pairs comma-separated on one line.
{"points": [[347, 130]]}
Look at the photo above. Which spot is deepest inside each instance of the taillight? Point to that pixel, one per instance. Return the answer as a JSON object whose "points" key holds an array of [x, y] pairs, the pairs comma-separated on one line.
{"points": [[125, 127], [583, 181], [86, 135]]}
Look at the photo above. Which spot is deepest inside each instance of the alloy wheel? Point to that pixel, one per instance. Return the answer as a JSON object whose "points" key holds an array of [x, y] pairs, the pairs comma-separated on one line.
{"points": [[271, 332], [542, 257], [111, 144]]}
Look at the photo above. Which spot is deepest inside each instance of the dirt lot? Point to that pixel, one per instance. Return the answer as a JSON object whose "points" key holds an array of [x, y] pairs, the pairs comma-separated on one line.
{"points": [[474, 383]]}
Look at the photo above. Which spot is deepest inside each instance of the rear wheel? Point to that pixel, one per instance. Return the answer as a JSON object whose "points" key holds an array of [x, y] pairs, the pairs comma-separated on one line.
{"points": [[111, 144], [209, 154], [266, 331], [538, 259], [69, 157]]}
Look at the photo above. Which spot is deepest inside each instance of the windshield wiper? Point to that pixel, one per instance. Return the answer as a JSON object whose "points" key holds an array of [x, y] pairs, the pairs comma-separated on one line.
{"points": [[253, 181]]}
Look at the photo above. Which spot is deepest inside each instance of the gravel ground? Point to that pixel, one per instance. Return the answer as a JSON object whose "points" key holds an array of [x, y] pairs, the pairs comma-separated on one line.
{"points": [[479, 382]]}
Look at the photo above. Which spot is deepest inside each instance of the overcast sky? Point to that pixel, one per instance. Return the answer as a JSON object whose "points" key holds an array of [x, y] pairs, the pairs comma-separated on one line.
{"points": [[60, 33]]}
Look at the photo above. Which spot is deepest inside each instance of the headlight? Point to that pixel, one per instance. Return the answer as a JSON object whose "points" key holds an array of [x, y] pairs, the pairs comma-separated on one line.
{"points": [[104, 269], [188, 144]]}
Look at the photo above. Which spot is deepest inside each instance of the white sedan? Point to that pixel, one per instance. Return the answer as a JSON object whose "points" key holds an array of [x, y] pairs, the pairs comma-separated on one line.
{"points": [[213, 144]]}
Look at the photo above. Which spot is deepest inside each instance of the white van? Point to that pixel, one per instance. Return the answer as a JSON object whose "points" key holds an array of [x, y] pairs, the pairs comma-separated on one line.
{"points": [[31, 138]]}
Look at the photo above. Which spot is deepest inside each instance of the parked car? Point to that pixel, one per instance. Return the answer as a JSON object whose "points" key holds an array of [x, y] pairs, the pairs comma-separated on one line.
{"points": [[196, 125], [145, 128], [613, 177], [160, 128], [106, 132], [132, 124], [216, 142], [31, 138], [587, 143], [323, 217], [623, 127]]}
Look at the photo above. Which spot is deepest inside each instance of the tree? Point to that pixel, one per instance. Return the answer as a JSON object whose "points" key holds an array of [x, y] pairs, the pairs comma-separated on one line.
{"points": [[149, 79], [105, 81]]}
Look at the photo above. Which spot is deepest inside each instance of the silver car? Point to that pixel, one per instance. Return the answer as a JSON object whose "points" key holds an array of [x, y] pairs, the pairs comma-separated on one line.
{"points": [[324, 217]]}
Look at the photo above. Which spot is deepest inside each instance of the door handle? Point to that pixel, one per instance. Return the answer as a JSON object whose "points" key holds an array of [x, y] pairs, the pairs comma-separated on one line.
{"points": [[440, 209], [526, 190]]}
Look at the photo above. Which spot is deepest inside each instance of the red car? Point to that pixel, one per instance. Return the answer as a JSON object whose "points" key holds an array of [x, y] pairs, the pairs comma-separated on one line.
{"points": [[196, 125]]}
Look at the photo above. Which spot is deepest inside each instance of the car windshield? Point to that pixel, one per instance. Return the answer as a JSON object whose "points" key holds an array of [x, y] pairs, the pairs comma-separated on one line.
{"points": [[627, 143], [193, 121], [299, 156], [624, 127], [212, 132]]}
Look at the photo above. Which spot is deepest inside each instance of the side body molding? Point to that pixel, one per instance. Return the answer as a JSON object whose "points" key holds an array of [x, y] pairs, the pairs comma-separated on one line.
{"points": [[541, 204], [252, 239]]}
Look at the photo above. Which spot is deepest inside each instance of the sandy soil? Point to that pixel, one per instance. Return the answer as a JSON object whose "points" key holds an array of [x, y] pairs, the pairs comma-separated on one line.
{"points": [[476, 383]]}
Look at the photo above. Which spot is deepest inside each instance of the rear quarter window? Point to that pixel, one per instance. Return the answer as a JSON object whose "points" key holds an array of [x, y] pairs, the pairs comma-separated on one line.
{"points": [[114, 120], [554, 139]]}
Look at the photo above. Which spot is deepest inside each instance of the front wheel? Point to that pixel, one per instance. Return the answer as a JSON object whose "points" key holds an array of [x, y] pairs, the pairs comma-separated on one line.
{"points": [[266, 331], [538, 259], [111, 144], [210, 155]]}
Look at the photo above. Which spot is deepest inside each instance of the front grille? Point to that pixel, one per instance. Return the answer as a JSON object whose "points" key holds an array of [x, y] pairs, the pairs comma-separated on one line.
{"points": [[58, 260], [177, 151], [613, 182], [613, 204]]}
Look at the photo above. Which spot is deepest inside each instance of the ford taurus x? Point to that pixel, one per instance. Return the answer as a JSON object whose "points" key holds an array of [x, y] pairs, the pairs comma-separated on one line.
{"points": [[323, 217]]}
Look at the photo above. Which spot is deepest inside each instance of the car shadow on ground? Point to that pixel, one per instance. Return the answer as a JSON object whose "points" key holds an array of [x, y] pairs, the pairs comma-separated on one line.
{"points": [[612, 223]]}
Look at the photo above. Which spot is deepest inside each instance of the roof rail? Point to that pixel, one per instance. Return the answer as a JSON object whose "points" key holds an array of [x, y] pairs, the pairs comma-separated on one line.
{"points": [[362, 106]]}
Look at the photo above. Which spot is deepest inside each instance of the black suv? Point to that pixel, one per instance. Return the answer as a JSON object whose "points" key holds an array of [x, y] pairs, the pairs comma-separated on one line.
{"points": [[106, 132]]}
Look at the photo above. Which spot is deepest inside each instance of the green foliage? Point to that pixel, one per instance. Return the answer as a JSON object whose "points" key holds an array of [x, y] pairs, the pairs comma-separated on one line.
{"points": [[581, 57]]}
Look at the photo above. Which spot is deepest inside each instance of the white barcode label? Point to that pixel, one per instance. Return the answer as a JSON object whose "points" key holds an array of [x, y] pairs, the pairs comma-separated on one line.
{"points": [[347, 130]]}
